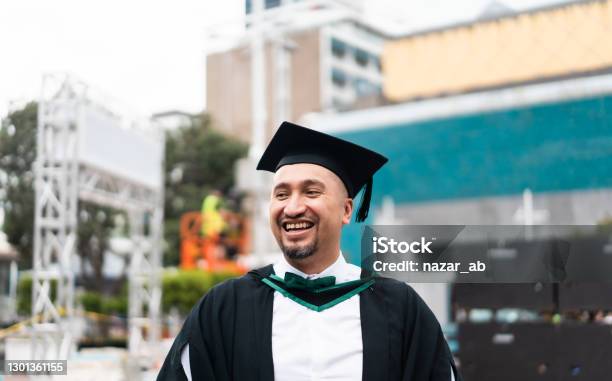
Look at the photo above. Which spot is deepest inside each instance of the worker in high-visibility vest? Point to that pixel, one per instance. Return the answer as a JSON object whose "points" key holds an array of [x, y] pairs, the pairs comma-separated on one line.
{"points": [[213, 223], [212, 220]]}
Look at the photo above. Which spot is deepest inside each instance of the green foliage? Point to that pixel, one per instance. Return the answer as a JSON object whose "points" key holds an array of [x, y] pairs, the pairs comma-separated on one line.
{"points": [[92, 301], [110, 305], [17, 154], [183, 289], [24, 295], [172, 241], [94, 230], [180, 289], [198, 160], [115, 305]]}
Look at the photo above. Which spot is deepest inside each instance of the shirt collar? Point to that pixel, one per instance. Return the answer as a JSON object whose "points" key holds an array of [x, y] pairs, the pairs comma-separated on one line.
{"points": [[340, 269]]}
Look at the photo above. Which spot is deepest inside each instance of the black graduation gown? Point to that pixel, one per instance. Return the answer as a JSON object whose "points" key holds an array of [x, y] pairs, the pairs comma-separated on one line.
{"points": [[229, 333]]}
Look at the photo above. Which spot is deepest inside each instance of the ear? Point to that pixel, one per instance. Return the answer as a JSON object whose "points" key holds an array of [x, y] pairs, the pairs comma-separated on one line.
{"points": [[348, 211]]}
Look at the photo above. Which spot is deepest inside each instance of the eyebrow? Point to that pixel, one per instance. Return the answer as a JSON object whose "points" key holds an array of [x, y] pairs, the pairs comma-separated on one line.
{"points": [[303, 183]]}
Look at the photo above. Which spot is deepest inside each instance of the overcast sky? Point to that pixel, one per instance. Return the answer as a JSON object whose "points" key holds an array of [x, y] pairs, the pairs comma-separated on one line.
{"points": [[149, 54]]}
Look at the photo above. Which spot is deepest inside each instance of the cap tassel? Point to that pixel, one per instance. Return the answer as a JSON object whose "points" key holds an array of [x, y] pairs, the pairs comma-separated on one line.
{"points": [[364, 207]]}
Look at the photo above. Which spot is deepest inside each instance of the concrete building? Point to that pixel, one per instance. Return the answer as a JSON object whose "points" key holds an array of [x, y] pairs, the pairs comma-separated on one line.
{"points": [[545, 44], [328, 67]]}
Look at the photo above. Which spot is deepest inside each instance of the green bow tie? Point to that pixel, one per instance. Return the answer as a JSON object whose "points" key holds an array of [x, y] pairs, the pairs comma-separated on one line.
{"points": [[297, 282]]}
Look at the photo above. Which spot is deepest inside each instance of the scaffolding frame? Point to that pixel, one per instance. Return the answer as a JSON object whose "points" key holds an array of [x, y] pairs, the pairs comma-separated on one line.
{"points": [[61, 180]]}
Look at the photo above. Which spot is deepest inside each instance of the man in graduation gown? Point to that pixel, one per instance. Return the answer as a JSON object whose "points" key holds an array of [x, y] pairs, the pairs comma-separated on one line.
{"points": [[312, 315]]}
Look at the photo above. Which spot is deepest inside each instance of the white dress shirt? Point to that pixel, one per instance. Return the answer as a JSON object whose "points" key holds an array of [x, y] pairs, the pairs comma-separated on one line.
{"points": [[310, 345]]}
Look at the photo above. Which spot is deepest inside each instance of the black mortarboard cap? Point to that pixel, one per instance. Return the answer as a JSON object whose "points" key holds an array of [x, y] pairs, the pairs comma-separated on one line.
{"points": [[353, 164]]}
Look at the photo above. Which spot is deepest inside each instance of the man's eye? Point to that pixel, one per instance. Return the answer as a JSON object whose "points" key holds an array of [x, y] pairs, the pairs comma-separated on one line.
{"points": [[312, 192], [281, 196]]}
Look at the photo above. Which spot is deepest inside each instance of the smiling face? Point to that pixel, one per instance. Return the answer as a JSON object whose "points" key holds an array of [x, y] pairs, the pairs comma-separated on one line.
{"points": [[308, 207]]}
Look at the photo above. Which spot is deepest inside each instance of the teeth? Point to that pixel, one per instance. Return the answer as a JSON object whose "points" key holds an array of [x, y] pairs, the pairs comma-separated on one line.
{"points": [[299, 225]]}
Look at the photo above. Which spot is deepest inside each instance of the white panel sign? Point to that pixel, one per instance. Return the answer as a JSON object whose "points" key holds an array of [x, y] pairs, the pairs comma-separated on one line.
{"points": [[130, 154]]}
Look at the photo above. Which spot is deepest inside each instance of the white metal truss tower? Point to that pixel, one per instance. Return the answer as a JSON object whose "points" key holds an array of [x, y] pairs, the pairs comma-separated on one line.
{"points": [[63, 178], [55, 223]]}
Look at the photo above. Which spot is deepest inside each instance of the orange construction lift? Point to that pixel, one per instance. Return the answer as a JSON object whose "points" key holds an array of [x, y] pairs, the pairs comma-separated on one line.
{"points": [[214, 254]]}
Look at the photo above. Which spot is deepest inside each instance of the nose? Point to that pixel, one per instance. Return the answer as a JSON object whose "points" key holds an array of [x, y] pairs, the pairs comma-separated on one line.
{"points": [[295, 206]]}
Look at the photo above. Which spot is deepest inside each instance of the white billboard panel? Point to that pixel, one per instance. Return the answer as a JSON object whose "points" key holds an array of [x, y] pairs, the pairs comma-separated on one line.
{"points": [[130, 154]]}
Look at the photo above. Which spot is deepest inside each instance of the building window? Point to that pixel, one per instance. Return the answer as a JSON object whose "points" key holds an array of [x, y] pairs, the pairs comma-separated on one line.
{"points": [[338, 48], [361, 57], [365, 88], [272, 3], [376, 61], [248, 5], [338, 77]]}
